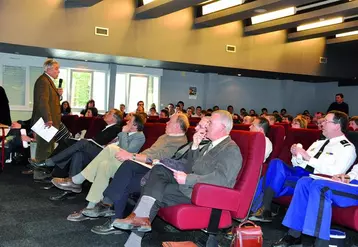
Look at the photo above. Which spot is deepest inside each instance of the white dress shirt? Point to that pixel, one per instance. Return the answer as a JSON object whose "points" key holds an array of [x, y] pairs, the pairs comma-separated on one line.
{"points": [[337, 156]]}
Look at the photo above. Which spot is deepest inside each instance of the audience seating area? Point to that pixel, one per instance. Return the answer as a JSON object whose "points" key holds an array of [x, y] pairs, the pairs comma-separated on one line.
{"points": [[252, 146]]}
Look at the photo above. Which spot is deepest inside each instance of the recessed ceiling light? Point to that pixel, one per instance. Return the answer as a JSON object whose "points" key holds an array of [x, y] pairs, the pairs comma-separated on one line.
{"points": [[238, 74], [324, 23], [260, 11]]}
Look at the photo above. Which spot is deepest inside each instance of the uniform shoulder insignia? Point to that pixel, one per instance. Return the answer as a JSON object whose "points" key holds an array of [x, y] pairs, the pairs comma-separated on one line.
{"points": [[345, 143]]}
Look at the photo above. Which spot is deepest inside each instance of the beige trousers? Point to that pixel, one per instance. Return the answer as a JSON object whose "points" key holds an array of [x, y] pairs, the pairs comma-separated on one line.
{"points": [[100, 170]]}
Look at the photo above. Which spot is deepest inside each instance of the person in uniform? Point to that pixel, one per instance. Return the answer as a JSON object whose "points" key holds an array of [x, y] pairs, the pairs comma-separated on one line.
{"points": [[310, 211], [331, 156]]}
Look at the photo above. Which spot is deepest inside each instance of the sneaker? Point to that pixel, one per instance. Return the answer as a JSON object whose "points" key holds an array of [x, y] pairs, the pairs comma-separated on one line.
{"points": [[261, 215], [100, 210], [106, 229], [78, 216]]}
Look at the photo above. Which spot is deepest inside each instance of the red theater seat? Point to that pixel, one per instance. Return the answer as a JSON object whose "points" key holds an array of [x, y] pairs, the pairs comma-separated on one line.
{"points": [[70, 122], [233, 203], [241, 127], [152, 131], [194, 121], [285, 125], [190, 133], [312, 126], [97, 125], [277, 137]]}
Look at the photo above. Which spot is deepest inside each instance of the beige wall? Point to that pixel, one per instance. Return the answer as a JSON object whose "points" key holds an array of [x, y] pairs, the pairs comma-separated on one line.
{"points": [[45, 23]]}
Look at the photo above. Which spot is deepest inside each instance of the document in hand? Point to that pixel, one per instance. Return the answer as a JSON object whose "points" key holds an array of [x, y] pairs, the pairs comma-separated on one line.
{"points": [[330, 179], [46, 133]]}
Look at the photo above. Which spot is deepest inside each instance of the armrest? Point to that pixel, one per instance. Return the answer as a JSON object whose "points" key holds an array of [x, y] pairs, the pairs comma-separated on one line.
{"points": [[213, 196]]}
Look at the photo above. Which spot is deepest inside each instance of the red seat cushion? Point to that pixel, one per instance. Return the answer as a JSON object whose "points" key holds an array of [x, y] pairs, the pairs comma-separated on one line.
{"points": [[191, 217], [346, 217]]}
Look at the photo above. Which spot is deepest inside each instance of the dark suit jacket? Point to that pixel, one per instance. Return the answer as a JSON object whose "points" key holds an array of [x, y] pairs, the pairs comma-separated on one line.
{"points": [[107, 135], [219, 166], [46, 101]]}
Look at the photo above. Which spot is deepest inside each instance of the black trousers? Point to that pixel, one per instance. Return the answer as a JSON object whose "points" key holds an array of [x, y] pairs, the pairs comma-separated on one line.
{"points": [[126, 181], [163, 187], [79, 155]]}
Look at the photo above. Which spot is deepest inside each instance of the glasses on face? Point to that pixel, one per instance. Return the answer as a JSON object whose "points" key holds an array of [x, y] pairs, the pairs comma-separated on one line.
{"points": [[327, 121]]}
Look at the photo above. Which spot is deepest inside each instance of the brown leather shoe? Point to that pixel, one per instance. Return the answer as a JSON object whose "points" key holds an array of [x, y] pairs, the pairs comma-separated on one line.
{"points": [[141, 224], [67, 184]]}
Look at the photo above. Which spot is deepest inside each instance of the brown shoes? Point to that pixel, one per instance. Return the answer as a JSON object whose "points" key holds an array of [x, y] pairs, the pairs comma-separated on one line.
{"points": [[67, 184], [141, 224]]}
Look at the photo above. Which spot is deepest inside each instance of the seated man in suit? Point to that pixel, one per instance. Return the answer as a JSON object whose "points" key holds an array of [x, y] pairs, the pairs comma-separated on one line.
{"points": [[105, 165], [331, 156], [83, 152], [129, 178], [113, 119], [310, 211], [261, 124], [219, 164]]}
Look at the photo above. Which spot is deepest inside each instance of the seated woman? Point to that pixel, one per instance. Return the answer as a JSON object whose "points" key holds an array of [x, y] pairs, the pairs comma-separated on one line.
{"points": [[299, 123], [65, 108], [90, 104], [91, 112]]}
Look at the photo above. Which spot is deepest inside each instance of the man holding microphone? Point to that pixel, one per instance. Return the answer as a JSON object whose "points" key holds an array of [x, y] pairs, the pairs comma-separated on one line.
{"points": [[47, 106]]}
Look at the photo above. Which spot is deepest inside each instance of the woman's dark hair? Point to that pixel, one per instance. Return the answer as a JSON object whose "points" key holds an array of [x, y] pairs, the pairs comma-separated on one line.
{"points": [[67, 110], [90, 101], [94, 111]]}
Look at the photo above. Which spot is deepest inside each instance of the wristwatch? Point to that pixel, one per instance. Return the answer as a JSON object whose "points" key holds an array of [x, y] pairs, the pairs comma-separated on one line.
{"points": [[134, 156]]}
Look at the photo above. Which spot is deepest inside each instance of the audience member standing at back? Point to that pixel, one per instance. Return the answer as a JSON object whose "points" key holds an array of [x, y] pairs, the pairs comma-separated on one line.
{"points": [[339, 105], [47, 106]]}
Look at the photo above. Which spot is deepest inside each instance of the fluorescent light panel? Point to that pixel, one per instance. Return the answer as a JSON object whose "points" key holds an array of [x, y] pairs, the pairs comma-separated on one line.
{"points": [[220, 5], [147, 1], [347, 34], [273, 15], [320, 24]]}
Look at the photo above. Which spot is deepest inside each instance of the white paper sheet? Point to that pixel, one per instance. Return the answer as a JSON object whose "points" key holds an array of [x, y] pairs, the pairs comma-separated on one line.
{"points": [[46, 133]]}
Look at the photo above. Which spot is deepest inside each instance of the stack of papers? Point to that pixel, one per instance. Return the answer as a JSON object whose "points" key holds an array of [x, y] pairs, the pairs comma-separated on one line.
{"points": [[46, 133]]}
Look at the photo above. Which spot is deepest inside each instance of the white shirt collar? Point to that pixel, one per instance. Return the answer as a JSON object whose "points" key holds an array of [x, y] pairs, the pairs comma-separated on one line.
{"points": [[109, 125], [181, 134], [216, 142], [53, 80]]}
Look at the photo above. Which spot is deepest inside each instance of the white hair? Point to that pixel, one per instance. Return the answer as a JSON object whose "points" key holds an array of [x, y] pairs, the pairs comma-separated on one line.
{"points": [[225, 119], [49, 63]]}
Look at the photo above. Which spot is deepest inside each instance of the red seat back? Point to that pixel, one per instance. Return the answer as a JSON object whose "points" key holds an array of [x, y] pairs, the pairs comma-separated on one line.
{"points": [[152, 119], [163, 120], [83, 123], [277, 137], [241, 127], [70, 122], [194, 121], [252, 147], [190, 132], [97, 125], [304, 136], [312, 126], [285, 125], [152, 131]]}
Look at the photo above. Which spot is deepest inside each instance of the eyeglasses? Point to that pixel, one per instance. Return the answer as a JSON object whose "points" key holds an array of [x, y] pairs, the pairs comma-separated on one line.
{"points": [[328, 121]]}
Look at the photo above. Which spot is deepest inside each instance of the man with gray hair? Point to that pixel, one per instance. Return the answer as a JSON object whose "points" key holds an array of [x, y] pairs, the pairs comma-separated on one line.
{"points": [[218, 163], [47, 106]]}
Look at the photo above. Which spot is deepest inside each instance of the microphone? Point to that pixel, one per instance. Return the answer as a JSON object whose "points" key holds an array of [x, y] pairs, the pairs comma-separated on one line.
{"points": [[60, 83]]}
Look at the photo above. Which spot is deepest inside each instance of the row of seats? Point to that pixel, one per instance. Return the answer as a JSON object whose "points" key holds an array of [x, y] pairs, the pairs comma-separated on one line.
{"points": [[252, 146]]}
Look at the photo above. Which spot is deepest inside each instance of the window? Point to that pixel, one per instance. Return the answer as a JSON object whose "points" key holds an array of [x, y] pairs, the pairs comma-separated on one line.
{"points": [[86, 85], [14, 83], [131, 88]]}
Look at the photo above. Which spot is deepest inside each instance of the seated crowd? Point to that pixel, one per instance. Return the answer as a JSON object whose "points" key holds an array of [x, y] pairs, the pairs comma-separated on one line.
{"points": [[165, 173]]}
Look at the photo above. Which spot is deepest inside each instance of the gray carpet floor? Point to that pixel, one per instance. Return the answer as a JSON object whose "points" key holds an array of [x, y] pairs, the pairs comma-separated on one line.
{"points": [[29, 219]]}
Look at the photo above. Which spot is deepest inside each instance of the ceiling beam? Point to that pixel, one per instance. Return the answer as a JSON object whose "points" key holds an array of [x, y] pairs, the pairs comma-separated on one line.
{"points": [[80, 3], [245, 11], [344, 9], [324, 31], [159, 8], [342, 39]]}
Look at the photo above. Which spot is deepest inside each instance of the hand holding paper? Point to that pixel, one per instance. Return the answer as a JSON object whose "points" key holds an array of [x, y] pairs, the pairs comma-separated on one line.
{"points": [[46, 133]]}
